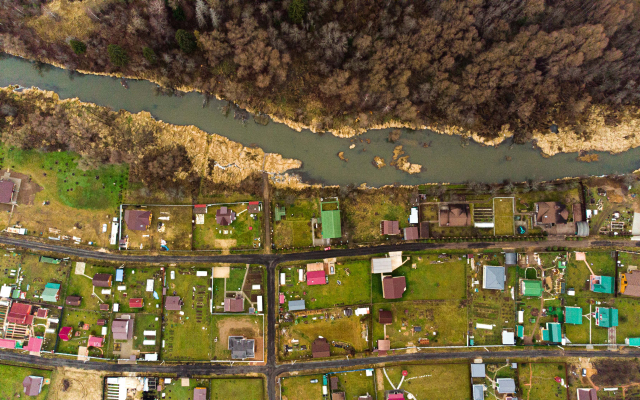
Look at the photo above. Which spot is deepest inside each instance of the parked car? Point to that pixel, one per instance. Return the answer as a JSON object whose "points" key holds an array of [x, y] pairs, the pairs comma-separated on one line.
{"points": [[584, 372], [327, 248], [314, 381]]}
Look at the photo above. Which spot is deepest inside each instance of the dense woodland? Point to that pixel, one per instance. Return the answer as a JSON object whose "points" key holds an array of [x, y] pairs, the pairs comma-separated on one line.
{"points": [[477, 64]]}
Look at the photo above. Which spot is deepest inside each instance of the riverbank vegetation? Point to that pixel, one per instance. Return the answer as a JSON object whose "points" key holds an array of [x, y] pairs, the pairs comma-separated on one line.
{"points": [[480, 66]]}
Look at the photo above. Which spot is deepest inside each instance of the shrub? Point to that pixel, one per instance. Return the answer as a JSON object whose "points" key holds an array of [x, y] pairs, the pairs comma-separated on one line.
{"points": [[297, 11], [186, 40], [117, 55], [78, 47], [149, 54]]}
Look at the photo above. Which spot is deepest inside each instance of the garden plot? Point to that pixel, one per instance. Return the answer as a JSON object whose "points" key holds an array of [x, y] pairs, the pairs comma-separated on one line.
{"points": [[493, 307], [11, 378], [578, 272], [538, 381], [355, 383], [249, 326], [81, 284], [237, 389], [365, 211], [144, 324], [243, 233], [135, 283], [438, 381], [495, 372], [503, 216], [425, 323], [169, 224], [78, 320], [182, 388], [587, 332], [187, 334], [351, 285], [292, 225], [307, 387], [35, 274]]}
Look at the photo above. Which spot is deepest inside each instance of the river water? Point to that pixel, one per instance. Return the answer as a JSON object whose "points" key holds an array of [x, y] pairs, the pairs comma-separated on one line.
{"points": [[445, 160]]}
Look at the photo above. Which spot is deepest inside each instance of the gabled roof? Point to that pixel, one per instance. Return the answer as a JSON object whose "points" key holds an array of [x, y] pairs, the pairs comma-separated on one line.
{"points": [[630, 283], [606, 317], [478, 392], [136, 303], [241, 347], [73, 300], [296, 305], [95, 341], [331, 228], [6, 191], [122, 329], [510, 259], [587, 394], [478, 370], [320, 348], [602, 284], [65, 333], [316, 278], [531, 288], [506, 385], [411, 233], [20, 314], [573, 315], [225, 216], [493, 277], [381, 265], [552, 333], [234, 304], [7, 344], [385, 317], [34, 345], [390, 227], [393, 287], [102, 280], [32, 385], [550, 212], [173, 303], [137, 220], [200, 393]]}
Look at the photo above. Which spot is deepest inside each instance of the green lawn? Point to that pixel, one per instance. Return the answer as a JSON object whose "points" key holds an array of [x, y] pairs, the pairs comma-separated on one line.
{"points": [[236, 276], [354, 288], [493, 307], [433, 279], [294, 230], [355, 384], [301, 388], [237, 389], [365, 211], [80, 285], [628, 318], [175, 390], [11, 378], [34, 273], [76, 318], [146, 322], [176, 230], [580, 333], [244, 231], [503, 216], [187, 337], [578, 274], [438, 381], [447, 318], [135, 279], [537, 381]]}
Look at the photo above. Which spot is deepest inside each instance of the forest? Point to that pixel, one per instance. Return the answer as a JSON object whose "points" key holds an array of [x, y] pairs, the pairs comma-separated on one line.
{"points": [[480, 65]]}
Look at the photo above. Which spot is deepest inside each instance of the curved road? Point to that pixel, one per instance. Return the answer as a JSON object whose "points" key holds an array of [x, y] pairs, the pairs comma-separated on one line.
{"points": [[272, 370]]}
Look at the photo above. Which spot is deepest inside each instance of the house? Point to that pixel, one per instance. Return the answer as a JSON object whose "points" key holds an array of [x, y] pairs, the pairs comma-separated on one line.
{"points": [[552, 333], [393, 287], [104, 307], [530, 288], [587, 394], [384, 345], [101, 322], [225, 216], [102, 280], [506, 385], [424, 230], [334, 383], [234, 304], [120, 275], [42, 313], [254, 207], [34, 345], [411, 233], [20, 313], [122, 329], [6, 191], [414, 215], [508, 338], [478, 392], [493, 277], [200, 209], [630, 283], [73, 301], [136, 303], [455, 215], [601, 284], [330, 219], [316, 278], [241, 347], [200, 393], [173, 303], [137, 220], [297, 305], [551, 213], [65, 333], [478, 371], [32, 385], [606, 317], [573, 315], [385, 317], [390, 228], [632, 341], [395, 395], [51, 292], [95, 341], [8, 344], [320, 348], [510, 259]]}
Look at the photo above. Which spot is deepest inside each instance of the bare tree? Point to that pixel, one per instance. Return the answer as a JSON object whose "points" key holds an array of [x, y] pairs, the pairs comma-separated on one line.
{"points": [[201, 13]]}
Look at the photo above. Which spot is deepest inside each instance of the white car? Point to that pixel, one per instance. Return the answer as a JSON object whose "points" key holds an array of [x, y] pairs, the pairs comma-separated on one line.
{"points": [[104, 228]]}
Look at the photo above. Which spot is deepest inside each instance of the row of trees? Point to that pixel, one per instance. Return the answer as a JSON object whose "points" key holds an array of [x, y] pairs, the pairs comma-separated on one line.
{"points": [[478, 64]]}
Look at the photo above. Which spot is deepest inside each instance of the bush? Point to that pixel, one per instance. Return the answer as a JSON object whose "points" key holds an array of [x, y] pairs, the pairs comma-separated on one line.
{"points": [[149, 54], [117, 55], [186, 41], [297, 11], [78, 47]]}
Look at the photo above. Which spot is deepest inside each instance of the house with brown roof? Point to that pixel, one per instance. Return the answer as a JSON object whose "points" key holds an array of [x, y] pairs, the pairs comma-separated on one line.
{"points": [[385, 317], [173, 303], [390, 228], [411, 233], [393, 287], [73, 301], [337, 396], [102, 280], [20, 313], [234, 304], [551, 213], [225, 216], [334, 382], [32, 385], [320, 348], [137, 220], [254, 207], [630, 283], [455, 215], [384, 345], [6, 191], [587, 394], [200, 393], [122, 329], [424, 230]]}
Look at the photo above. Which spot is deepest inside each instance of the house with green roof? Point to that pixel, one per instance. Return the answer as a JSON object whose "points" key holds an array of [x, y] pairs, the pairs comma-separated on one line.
{"points": [[530, 288], [602, 284], [606, 317], [632, 341], [552, 333], [51, 292], [330, 219], [573, 315], [520, 331]]}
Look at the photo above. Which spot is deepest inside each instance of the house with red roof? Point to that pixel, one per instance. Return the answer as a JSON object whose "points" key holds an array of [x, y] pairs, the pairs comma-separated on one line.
{"points": [[316, 278], [34, 345], [20, 313], [136, 303], [7, 344], [65, 333], [95, 341]]}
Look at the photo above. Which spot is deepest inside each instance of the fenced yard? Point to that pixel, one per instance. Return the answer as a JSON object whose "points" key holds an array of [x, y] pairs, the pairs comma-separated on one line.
{"points": [[503, 215]]}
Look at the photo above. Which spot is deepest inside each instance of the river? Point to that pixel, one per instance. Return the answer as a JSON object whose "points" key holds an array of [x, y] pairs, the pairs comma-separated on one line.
{"points": [[445, 160]]}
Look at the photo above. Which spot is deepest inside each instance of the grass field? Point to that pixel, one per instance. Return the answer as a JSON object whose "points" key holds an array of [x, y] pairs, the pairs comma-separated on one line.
{"points": [[75, 319], [447, 318], [503, 215], [177, 230], [349, 330], [355, 384], [629, 318], [438, 381], [433, 279], [354, 288], [187, 337], [80, 285], [135, 279], [578, 274], [237, 389], [493, 307], [294, 230], [175, 390], [11, 378], [537, 381], [146, 322], [301, 388], [236, 276], [245, 230], [365, 211]]}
